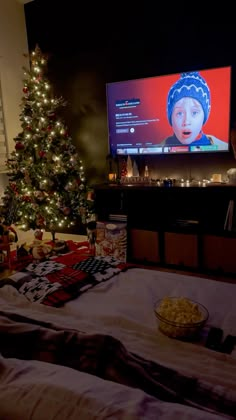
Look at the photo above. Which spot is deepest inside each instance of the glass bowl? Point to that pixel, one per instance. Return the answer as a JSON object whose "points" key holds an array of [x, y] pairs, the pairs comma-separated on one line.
{"points": [[180, 317]]}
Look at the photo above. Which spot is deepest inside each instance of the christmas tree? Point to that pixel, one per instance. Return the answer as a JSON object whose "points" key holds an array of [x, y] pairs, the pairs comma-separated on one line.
{"points": [[47, 187]]}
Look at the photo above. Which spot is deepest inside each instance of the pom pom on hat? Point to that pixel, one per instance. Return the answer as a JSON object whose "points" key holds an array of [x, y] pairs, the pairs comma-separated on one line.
{"points": [[192, 85]]}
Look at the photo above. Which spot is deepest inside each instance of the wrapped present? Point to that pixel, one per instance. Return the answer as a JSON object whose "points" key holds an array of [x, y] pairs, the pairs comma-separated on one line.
{"points": [[111, 239]]}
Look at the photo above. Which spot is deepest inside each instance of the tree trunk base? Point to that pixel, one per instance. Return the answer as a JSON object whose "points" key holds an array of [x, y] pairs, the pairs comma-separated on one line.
{"points": [[53, 233]]}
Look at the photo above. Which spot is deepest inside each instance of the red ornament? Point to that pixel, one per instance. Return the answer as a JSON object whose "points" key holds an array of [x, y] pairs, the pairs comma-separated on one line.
{"points": [[19, 146], [42, 153], [13, 186], [25, 89], [66, 211], [26, 198]]}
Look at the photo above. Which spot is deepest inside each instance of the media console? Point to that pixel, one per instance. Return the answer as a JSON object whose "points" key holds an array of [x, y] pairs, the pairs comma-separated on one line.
{"points": [[185, 227]]}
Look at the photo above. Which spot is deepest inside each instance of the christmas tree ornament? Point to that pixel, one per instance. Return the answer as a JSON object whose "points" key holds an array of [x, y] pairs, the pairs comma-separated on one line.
{"points": [[66, 211], [19, 146], [26, 198], [42, 153]]}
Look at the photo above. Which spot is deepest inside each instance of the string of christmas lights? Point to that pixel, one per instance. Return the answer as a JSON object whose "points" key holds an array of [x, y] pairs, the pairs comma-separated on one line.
{"points": [[47, 186]]}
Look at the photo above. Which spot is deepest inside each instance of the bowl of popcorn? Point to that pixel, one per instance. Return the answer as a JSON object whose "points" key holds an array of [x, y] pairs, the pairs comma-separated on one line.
{"points": [[180, 317]]}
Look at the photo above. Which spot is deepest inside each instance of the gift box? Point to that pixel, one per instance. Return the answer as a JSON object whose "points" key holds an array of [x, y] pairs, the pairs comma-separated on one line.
{"points": [[111, 239]]}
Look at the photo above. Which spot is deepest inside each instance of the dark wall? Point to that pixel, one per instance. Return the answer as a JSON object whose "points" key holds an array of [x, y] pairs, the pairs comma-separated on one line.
{"points": [[91, 46]]}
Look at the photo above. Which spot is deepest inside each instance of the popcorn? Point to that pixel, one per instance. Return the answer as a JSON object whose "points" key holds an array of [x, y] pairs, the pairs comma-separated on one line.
{"points": [[180, 317]]}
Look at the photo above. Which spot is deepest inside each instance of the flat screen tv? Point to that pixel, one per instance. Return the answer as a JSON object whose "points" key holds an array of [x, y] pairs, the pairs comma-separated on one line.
{"points": [[177, 113]]}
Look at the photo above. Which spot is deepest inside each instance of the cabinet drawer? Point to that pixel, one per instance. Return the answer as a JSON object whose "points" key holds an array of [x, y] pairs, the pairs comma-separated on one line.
{"points": [[219, 253], [144, 245], [181, 249]]}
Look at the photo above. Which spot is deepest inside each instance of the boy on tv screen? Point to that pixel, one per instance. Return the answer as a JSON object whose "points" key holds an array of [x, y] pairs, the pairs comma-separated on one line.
{"points": [[177, 113], [188, 109]]}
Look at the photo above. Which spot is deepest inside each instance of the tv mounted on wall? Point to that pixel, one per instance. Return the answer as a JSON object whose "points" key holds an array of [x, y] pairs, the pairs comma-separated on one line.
{"points": [[177, 113]]}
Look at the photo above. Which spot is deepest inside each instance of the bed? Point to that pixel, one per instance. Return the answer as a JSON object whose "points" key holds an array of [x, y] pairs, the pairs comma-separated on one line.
{"points": [[91, 349]]}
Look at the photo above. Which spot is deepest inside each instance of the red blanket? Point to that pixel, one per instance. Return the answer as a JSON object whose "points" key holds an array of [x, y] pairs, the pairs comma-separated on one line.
{"points": [[59, 279]]}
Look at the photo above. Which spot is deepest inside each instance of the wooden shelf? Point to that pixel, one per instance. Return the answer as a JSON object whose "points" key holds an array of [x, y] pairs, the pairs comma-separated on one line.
{"points": [[174, 225]]}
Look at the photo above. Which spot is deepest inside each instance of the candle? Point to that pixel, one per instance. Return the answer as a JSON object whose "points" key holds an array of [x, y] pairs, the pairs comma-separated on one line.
{"points": [[216, 178], [112, 177]]}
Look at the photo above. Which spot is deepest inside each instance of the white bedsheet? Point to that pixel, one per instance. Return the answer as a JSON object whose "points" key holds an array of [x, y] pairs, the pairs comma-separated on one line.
{"points": [[123, 307], [133, 294]]}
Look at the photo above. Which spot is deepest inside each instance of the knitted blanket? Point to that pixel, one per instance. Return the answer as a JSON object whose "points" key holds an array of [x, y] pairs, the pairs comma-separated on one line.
{"points": [[57, 280]]}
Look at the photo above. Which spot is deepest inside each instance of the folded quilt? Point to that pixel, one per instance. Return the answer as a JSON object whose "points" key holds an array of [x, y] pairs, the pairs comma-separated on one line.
{"points": [[57, 280], [106, 357]]}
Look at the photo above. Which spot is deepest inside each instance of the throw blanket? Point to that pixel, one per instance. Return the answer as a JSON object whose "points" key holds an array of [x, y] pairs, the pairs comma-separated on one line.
{"points": [[60, 279], [106, 357]]}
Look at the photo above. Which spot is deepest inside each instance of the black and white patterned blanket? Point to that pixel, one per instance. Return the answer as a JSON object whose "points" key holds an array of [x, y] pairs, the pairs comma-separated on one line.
{"points": [[60, 279]]}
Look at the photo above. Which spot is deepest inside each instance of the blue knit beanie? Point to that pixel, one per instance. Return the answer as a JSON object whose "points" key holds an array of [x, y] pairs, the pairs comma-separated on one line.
{"points": [[192, 85]]}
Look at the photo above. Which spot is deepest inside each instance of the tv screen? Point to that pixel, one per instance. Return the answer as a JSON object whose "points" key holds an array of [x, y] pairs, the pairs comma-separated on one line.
{"points": [[177, 113]]}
